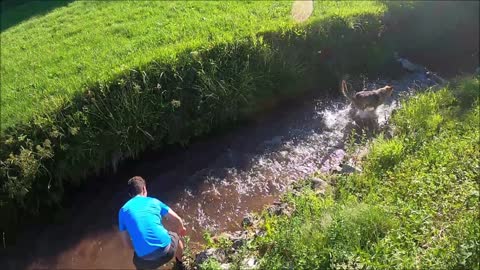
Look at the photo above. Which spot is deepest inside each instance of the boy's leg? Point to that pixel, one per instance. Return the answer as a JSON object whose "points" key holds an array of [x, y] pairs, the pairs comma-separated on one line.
{"points": [[179, 251]]}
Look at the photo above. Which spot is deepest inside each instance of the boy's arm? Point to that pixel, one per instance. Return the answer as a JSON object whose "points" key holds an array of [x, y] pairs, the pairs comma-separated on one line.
{"points": [[126, 239], [181, 230], [123, 231]]}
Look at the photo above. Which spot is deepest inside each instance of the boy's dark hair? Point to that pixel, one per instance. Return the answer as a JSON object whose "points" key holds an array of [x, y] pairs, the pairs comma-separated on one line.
{"points": [[135, 185]]}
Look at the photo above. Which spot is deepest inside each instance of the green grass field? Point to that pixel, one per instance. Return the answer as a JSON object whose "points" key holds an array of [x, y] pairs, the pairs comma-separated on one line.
{"points": [[48, 58]]}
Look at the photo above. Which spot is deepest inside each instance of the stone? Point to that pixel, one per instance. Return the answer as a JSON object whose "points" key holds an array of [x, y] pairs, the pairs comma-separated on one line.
{"points": [[278, 209], [248, 221], [225, 266], [347, 169], [211, 253], [259, 233], [249, 263], [318, 183], [238, 243], [238, 238]]}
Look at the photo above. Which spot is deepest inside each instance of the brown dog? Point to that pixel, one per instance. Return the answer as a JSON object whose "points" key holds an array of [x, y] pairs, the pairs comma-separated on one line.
{"points": [[367, 99]]}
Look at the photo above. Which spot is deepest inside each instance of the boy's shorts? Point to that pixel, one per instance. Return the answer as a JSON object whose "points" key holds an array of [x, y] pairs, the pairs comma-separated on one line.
{"points": [[159, 257]]}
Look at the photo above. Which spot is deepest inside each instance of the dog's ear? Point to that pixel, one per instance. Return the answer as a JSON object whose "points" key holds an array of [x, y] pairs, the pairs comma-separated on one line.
{"points": [[346, 86]]}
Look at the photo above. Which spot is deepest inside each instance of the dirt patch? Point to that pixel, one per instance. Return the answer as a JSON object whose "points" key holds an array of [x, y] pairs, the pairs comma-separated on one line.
{"points": [[301, 10]]}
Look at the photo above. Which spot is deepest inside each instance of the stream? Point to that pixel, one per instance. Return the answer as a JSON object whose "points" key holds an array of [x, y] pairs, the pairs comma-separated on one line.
{"points": [[212, 184]]}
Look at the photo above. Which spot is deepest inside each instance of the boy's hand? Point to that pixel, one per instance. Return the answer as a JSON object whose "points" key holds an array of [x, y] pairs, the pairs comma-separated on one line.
{"points": [[183, 231]]}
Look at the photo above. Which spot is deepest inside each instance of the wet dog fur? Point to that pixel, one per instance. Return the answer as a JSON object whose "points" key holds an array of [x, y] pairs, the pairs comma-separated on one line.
{"points": [[367, 99]]}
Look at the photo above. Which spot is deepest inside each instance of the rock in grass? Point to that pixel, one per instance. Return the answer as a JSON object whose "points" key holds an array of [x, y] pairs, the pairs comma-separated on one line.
{"points": [[211, 253], [249, 263], [225, 266], [238, 243], [318, 183], [347, 169], [238, 238], [248, 221], [279, 209], [259, 233]]}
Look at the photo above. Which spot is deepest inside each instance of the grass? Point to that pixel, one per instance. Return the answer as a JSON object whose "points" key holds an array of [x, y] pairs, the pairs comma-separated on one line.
{"points": [[415, 204], [47, 59]]}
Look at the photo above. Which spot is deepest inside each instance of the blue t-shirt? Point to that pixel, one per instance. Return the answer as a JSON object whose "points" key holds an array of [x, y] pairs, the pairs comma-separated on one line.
{"points": [[142, 217]]}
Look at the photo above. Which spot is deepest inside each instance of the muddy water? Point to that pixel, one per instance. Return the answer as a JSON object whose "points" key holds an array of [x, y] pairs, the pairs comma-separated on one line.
{"points": [[212, 184]]}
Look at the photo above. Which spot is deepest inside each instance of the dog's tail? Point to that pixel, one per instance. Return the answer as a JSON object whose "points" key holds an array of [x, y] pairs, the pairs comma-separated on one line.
{"points": [[344, 89]]}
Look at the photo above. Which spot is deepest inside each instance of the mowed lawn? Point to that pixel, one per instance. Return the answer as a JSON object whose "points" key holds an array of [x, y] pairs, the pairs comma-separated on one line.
{"points": [[48, 58]]}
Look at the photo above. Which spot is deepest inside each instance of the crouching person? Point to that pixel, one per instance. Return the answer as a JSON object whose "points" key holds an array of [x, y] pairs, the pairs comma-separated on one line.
{"points": [[140, 220]]}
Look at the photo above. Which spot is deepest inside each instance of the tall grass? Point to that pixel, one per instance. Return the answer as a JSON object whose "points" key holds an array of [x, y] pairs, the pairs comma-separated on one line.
{"points": [[322, 234]]}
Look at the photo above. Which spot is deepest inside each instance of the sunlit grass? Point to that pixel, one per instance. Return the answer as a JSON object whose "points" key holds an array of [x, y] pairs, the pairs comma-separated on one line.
{"points": [[49, 58]]}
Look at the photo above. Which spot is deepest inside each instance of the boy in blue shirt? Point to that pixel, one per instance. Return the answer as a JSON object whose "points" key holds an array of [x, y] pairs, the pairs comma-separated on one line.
{"points": [[141, 217]]}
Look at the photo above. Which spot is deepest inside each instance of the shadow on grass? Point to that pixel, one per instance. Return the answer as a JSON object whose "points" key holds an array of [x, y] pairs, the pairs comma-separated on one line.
{"points": [[14, 12], [436, 34]]}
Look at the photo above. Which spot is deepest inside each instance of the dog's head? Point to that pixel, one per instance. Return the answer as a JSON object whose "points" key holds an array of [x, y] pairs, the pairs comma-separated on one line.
{"points": [[389, 89]]}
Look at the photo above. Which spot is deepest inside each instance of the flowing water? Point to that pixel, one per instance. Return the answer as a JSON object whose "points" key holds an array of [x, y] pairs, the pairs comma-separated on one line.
{"points": [[212, 184]]}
